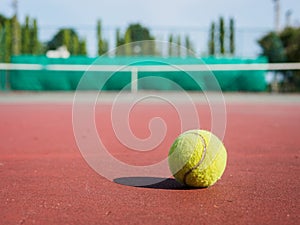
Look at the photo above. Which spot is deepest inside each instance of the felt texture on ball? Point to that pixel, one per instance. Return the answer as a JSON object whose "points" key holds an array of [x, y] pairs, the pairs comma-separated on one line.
{"points": [[197, 158]]}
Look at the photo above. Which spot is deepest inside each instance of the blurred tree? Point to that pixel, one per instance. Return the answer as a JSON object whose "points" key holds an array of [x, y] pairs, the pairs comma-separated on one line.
{"points": [[29, 38], [18, 39], [70, 39], [272, 48], [2, 20], [119, 42], [178, 45], [75, 45], [2, 40], [7, 41], [211, 47], [102, 44], [82, 47], [290, 38], [222, 35], [16, 36], [188, 46], [231, 37], [171, 46], [138, 33], [25, 48], [34, 40], [127, 38], [66, 39]]}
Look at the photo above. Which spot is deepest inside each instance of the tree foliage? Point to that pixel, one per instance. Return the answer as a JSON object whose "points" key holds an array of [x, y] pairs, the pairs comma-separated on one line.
{"points": [[135, 34], [16, 38], [102, 44], [178, 42], [222, 38], [138, 33], [1, 42], [272, 48], [211, 45], [7, 41], [222, 35], [82, 47], [284, 47], [69, 38], [231, 37], [290, 38], [188, 46], [26, 37], [171, 46], [30, 43], [35, 45]]}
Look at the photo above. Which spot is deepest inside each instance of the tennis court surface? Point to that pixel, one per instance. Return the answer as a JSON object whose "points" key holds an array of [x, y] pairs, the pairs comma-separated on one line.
{"points": [[45, 180]]}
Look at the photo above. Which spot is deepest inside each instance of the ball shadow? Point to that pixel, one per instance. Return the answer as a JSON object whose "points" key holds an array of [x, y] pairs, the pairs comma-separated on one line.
{"points": [[151, 182]]}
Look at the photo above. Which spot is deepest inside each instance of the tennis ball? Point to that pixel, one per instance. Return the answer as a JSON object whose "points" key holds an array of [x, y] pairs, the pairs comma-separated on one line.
{"points": [[197, 158]]}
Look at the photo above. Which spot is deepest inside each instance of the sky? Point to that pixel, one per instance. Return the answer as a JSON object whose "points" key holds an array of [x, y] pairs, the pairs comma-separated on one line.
{"points": [[253, 18]]}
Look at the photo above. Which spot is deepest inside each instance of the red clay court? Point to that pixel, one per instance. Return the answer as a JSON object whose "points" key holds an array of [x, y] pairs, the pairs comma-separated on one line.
{"points": [[45, 179]]}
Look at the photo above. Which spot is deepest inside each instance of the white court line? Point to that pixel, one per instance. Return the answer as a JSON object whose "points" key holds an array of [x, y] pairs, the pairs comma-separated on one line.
{"points": [[109, 97]]}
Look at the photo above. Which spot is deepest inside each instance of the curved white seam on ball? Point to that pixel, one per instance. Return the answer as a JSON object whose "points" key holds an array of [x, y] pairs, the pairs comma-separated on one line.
{"points": [[200, 161]]}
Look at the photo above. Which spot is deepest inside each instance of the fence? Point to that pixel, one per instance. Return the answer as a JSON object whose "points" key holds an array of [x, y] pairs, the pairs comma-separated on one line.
{"points": [[119, 73]]}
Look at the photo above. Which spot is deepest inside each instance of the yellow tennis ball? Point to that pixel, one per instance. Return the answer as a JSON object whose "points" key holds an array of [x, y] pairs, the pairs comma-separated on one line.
{"points": [[197, 158]]}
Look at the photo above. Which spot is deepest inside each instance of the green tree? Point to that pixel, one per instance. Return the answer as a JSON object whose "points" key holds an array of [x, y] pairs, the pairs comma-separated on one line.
{"points": [[82, 47], [16, 36], [119, 42], [171, 46], [179, 45], [231, 37], [75, 45], [188, 45], [102, 44], [2, 47], [25, 49], [34, 41], [272, 48], [274, 51], [222, 35], [135, 33], [5, 39], [70, 39], [30, 43], [211, 47], [284, 46], [290, 38], [66, 39], [2, 20], [18, 39], [127, 38], [138, 33], [8, 41]]}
